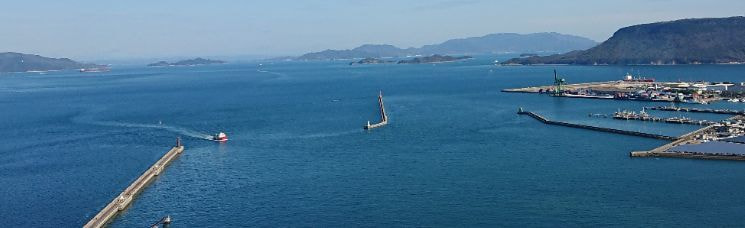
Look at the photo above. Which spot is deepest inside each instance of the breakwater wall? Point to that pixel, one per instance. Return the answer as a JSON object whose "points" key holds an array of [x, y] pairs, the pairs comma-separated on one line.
{"points": [[602, 129], [701, 110], [125, 198], [709, 156]]}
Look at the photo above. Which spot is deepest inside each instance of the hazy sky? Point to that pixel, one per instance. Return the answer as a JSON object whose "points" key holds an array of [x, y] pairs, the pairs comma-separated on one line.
{"points": [[99, 29]]}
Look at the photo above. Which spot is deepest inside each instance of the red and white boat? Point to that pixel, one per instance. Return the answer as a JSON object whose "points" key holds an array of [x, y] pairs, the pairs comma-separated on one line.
{"points": [[220, 137]]}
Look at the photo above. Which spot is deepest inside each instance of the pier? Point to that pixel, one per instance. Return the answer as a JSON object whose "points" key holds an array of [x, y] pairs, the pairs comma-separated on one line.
{"points": [[383, 116], [125, 198], [643, 116], [603, 129], [690, 138], [630, 89], [702, 110]]}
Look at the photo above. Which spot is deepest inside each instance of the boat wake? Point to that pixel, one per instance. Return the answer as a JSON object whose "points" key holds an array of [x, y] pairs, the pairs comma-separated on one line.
{"points": [[174, 129], [86, 119], [291, 136], [278, 75], [329, 134]]}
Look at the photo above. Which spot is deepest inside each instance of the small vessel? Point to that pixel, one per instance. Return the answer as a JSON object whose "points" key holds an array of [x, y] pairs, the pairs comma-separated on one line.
{"points": [[678, 120], [631, 115], [95, 69], [220, 137], [165, 221]]}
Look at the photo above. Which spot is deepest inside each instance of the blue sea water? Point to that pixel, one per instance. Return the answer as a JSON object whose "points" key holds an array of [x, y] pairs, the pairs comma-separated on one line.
{"points": [[454, 153]]}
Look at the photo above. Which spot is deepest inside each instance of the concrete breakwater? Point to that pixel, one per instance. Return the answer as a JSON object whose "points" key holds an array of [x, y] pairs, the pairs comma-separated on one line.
{"points": [[125, 198], [702, 110], [603, 129], [709, 156]]}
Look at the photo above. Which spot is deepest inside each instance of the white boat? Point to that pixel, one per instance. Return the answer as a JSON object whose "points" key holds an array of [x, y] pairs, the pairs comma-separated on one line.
{"points": [[220, 137]]}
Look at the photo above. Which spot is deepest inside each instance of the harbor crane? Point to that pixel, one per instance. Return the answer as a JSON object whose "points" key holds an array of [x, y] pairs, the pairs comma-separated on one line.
{"points": [[558, 82]]}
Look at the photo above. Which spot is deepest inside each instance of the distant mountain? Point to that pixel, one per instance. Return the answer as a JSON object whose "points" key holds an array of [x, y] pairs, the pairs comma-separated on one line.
{"points": [[434, 59], [19, 62], [364, 51], [511, 43], [489, 44], [687, 41], [188, 62]]}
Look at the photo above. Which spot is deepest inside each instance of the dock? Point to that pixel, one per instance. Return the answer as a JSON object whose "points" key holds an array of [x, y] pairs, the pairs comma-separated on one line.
{"points": [[701, 110], [690, 138], [383, 115], [595, 128], [127, 196], [629, 88], [643, 116], [545, 89], [695, 137]]}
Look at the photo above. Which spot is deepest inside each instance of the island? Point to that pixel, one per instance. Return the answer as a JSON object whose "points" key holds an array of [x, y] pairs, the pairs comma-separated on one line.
{"points": [[188, 62], [370, 60], [434, 59], [686, 41], [20, 62]]}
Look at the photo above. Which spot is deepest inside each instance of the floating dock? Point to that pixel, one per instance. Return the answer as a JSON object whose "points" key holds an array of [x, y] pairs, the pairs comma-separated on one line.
{"points": [[125, 198], [383, 116], [603, 129]]}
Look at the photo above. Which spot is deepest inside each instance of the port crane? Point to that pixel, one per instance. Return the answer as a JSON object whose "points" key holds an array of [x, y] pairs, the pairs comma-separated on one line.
{"points": [[558, 82]]}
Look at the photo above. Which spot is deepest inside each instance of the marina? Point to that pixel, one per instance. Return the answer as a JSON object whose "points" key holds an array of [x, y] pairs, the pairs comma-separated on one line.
{"points": [[127, 196], [712, 142], [719, 140], [644, 116]]}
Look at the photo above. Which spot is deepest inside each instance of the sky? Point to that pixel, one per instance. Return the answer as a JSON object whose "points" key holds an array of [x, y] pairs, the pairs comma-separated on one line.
{"points": [[100, 29]]}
